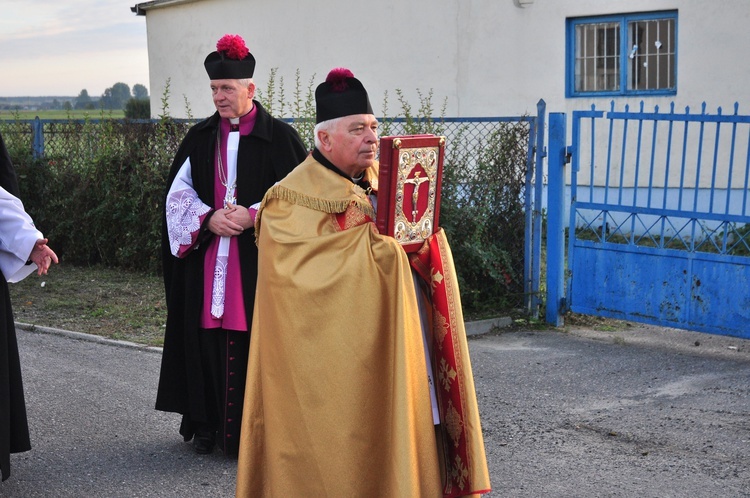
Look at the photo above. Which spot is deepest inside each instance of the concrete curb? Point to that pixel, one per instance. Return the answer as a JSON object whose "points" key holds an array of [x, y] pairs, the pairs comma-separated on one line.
{"points": [[87, 337], [484, 326], [472, 328]]}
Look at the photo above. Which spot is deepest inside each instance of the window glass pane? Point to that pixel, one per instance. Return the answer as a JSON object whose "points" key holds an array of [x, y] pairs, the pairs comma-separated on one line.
{"points": [[597, 60], [651, 47], [623, 54]]}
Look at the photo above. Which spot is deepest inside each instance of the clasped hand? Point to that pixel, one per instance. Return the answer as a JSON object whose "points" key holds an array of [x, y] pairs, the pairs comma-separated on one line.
{"points": [[230, 221]]}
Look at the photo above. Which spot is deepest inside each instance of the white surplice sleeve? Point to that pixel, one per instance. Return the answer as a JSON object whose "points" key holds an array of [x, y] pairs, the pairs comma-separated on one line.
{"points": [[185, 212], [17, 238]]}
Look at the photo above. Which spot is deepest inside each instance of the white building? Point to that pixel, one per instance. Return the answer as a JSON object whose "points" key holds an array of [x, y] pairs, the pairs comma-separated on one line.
{"points": [[480, 57]]}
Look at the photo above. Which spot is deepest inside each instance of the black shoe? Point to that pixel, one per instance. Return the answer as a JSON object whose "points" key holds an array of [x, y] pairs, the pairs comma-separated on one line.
{"points": [[203, 442]]}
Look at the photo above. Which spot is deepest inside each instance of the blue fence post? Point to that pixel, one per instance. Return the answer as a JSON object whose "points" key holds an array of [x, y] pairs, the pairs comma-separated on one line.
{"points": [[37, 142], [528, 236], [541, 151], [556, 159]]}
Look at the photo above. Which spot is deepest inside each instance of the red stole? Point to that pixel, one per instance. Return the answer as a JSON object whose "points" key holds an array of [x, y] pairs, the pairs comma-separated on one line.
{"points": [[462, 441], [458, 410]]}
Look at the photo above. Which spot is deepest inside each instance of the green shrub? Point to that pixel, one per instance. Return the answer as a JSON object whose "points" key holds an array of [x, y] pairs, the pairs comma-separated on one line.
{"points": [[138, 109], [483, 214], [98, 191]]}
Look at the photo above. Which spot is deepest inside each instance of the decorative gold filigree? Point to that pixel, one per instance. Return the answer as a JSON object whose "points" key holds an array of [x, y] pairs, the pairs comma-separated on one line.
{"points": [[454, 424], [416, 166], [459, 473], [446, 374], [437, 279], [353, 217], [440, 328]]}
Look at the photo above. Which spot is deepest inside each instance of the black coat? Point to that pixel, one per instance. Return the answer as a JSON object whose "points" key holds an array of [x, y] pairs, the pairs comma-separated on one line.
{"points": [[14, 429], [267, 155]]}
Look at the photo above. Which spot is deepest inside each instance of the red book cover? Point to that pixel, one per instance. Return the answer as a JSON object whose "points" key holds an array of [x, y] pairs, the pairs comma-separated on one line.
{"points": [[409, 182]]}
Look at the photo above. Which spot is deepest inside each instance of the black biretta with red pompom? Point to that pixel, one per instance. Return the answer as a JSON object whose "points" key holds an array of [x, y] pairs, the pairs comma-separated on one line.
{"points": [[231, 61], [341, 94]]}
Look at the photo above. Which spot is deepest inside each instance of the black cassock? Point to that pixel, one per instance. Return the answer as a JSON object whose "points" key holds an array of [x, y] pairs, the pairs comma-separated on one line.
{"points": [[264, 157], [14, 429]]}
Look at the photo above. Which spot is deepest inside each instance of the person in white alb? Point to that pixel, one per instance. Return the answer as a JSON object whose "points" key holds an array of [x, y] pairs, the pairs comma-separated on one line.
{"points": [[23, 250]]}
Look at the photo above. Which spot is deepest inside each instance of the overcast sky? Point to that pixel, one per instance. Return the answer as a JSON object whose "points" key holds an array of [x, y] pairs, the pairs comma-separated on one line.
{"points": [[59, 47]]}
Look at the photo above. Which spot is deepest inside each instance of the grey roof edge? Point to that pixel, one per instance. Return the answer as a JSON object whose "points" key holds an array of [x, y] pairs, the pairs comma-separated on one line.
{"points": [[140, 9]]}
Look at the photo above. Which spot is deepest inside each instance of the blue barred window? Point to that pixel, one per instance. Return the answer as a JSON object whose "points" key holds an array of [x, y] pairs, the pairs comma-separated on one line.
{"points": [[628, 54]]}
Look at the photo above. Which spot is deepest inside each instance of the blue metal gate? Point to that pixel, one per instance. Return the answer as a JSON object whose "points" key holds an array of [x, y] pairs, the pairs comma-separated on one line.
{"points": [[658, 218]]}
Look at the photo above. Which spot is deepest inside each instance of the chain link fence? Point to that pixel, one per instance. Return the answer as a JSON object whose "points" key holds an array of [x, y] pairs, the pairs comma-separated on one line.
{"points": [[74, 174]]}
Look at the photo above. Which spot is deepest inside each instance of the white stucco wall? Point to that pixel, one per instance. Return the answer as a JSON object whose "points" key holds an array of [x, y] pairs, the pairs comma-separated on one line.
{"points": [[487, 57], [297, 35]]}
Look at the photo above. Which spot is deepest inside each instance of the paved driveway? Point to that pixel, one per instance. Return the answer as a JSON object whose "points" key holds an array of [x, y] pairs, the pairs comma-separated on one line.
{"points": [[643, 411]]}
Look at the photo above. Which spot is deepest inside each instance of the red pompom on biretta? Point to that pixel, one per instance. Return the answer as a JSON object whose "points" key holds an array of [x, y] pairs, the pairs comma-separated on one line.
{"points": [[230, 60], [233, 47], [337, 78]]}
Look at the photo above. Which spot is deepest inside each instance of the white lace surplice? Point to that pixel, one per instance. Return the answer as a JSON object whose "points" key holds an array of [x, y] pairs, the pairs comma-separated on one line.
{"points": [[222, 258], [184, 211]]}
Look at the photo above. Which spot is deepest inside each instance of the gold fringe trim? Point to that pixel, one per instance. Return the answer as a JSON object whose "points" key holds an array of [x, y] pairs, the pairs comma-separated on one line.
{"points": [[324, 205]]}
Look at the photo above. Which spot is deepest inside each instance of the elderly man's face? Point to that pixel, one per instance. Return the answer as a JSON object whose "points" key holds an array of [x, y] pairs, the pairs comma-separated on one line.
{"points": [[353, 143], [232, 99]]}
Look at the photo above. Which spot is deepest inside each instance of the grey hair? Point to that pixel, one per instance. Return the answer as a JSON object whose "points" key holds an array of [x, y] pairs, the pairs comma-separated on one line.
{"points": [[324, 126]]}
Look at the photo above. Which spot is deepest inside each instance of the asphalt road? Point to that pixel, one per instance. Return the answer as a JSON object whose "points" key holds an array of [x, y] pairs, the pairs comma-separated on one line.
{"points": [[643, 412]]}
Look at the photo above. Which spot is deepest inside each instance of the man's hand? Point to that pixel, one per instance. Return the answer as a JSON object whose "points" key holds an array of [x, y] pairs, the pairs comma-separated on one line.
{"points": [[42, 256], [227, 222], [241, 215]]}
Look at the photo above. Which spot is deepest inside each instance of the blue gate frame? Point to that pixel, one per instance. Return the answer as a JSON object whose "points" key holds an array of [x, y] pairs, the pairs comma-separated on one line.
{"points": [[658, 218]]}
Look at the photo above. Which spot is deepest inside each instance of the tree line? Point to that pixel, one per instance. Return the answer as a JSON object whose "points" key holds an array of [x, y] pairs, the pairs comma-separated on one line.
{"points": [[118, 97]]}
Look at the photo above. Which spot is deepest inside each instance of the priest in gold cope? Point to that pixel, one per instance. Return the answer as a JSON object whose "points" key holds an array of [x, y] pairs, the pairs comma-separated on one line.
{"points": [[347, 393]]}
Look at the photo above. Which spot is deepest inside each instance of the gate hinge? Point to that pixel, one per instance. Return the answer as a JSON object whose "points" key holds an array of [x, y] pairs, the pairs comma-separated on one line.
{"points": [[568, 153]]}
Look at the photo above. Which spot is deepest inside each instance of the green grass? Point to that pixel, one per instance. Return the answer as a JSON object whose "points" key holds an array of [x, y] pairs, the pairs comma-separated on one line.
{"points": [[60, 114], [107, 302]]}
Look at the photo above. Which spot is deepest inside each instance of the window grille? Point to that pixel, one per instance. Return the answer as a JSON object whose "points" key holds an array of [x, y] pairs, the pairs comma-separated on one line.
{"points": [[622, 55]]}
